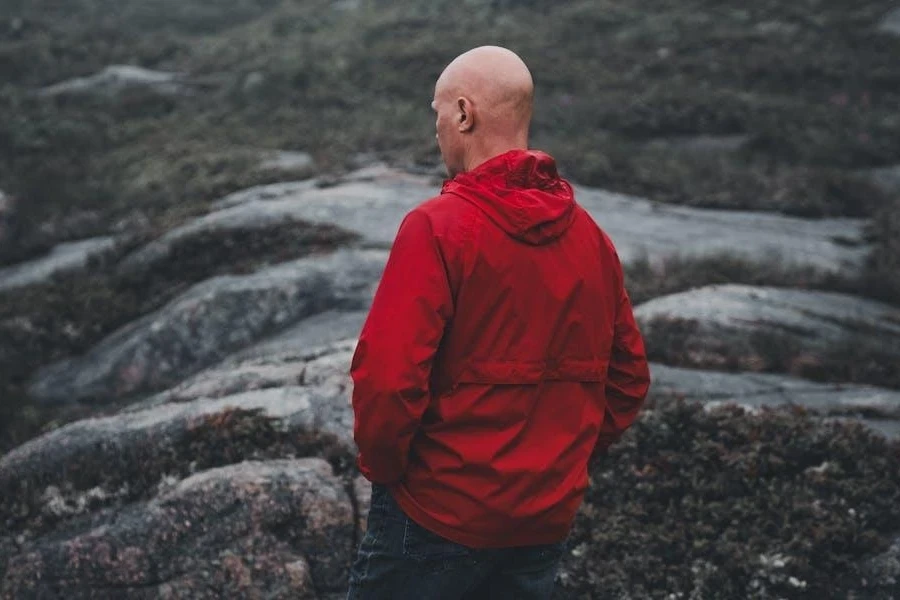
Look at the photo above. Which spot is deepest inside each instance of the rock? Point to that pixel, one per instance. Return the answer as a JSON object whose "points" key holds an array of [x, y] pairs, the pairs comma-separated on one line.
{"points": [[260, 193], [891, 22], [886, 178], [117, 79], [320, 330], [274, 529], [755, 390], [373, 201], [6, 215], [198, 425], [699, 144], [749, 327], [253, 81], [245, 217], [301, 162], [362, 489], [149, 436], [641, 228], [208, 322], [346, 5], [67, 257], [323, 370], [883, 571]]}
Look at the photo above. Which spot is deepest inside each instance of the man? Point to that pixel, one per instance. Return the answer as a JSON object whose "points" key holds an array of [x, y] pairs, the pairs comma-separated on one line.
{"points": [[499, 354]]}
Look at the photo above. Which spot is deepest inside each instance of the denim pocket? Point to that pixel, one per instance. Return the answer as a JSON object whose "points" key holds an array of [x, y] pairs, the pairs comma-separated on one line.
{"points": [[423, 545]]}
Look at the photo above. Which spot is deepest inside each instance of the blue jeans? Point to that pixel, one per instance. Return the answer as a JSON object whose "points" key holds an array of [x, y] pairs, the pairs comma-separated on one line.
{"points": [[399, 560]]}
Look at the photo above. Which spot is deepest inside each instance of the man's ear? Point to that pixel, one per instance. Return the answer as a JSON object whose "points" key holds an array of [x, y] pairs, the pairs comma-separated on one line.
{"points": [[465, 115]]}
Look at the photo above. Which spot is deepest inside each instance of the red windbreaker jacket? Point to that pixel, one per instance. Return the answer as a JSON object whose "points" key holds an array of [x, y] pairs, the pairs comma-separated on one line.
{"points": [[500, 351]]}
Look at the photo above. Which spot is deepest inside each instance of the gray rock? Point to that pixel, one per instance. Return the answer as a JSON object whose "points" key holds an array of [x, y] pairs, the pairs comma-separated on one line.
{"points": [[67, 257], [245, 216], [755, 390], [883, 571], [261, 193], [721, 322], [641, 228], [253, 81], [116, 79], [288, 161], [310, 391], [891, 22], [202, 424], [373, 201], [208, 322], [699, 144], [315, 402], [6, 212], [320, 330], [273, 529], [886, 178]]}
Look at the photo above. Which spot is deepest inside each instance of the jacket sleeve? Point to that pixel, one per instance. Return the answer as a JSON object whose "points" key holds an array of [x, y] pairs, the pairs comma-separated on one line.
{"points": [[628, 377], [391, 366]]}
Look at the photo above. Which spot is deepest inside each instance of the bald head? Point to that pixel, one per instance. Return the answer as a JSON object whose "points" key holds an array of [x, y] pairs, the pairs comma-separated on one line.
{"points": [[484, 103]]}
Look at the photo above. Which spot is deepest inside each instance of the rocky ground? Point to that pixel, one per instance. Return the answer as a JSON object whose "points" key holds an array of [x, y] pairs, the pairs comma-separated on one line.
{"points": [[179, 299], [220, 424]]}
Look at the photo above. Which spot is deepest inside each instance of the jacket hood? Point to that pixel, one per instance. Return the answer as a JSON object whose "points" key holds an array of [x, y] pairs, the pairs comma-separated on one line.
{"points": [[522, 192]]}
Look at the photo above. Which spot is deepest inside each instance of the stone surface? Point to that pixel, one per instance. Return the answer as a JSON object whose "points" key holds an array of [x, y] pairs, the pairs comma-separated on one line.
{"points": [[288, 161], [699, 144], [736, 320], [763, 389], [6, 213], [641, 228], [70, 256], [883, 571], [317, 401], [891, 22], [319, 330], [246, 216], [373, 201], [210, 321], [273, 529], [116, 79], [886, 178]]}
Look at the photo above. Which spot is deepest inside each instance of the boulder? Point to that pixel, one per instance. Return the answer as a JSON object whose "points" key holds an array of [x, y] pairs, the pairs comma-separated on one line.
{"points": [[755, 328], [883, 571], [208, 322], [890, 23], [319, 330], [64, 258], [886, 178], [117, 79], [644, 229], [6, 213], [273, 529], [283, 160], [195, 426], [373, 201], [699, 144], [756, 390]]}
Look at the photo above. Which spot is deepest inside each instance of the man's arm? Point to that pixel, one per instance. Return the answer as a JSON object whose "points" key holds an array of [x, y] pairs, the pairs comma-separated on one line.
{"points": [[628, 377], [392, 363]]}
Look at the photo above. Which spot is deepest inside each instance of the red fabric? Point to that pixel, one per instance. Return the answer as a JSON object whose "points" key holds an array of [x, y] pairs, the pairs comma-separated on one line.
{"points": [[500, 351]]}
